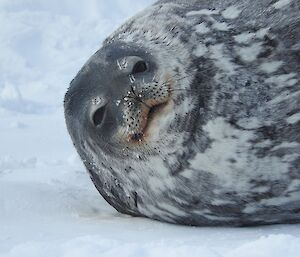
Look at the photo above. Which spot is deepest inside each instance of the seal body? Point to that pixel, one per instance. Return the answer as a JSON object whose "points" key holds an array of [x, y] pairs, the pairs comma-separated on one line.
{"points": [[190, 113]]}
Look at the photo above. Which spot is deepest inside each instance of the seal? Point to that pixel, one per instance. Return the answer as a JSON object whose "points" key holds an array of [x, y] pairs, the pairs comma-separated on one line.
{"points": [[190, 113]]}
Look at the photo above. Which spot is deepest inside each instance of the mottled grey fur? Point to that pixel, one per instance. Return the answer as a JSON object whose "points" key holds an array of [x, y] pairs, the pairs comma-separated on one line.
{"points": [[228, 150]]}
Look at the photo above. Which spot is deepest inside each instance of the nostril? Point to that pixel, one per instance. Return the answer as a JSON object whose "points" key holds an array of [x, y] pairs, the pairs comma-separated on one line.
{"points": [[99, 116], [139, 67]]}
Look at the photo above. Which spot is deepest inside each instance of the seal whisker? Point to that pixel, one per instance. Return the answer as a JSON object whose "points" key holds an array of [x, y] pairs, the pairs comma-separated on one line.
{"points": [[138, 98]]}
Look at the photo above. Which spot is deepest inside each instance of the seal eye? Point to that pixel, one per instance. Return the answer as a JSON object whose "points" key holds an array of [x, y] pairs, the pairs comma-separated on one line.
{"points": [[139, 67], [98, 116]]}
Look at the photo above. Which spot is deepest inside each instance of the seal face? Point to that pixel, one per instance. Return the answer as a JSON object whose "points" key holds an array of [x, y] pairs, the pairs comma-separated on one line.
{"points": [[190, 113]]}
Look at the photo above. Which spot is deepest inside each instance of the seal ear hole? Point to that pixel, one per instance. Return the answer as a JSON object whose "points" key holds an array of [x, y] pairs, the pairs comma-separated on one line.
{"points": [[139, 67], [98, 116]]}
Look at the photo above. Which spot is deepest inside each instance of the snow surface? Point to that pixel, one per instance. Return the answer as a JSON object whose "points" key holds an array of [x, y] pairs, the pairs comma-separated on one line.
{"points": [[48, 205]]}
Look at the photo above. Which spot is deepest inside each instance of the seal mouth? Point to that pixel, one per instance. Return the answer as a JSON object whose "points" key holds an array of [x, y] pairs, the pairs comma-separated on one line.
{"points": [[143, 109], [139, 136]]}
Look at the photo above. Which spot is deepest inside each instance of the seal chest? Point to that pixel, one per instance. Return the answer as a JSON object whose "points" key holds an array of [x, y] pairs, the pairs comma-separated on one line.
{"points": [[190, 113]]}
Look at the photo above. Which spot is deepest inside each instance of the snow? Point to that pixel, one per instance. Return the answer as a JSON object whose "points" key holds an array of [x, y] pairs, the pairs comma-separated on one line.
{"points": [[48, 205]]}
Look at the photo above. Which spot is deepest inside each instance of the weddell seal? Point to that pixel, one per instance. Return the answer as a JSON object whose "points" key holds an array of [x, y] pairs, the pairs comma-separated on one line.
{"points": [[190, 113]]}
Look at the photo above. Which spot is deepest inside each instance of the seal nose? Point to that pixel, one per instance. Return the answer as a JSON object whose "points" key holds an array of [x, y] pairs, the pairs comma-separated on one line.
{"points": [[98, 116], [98, 111]]}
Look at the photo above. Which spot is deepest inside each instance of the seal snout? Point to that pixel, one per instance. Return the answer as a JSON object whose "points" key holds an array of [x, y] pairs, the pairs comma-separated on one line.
{"points": [[117, 99]]}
